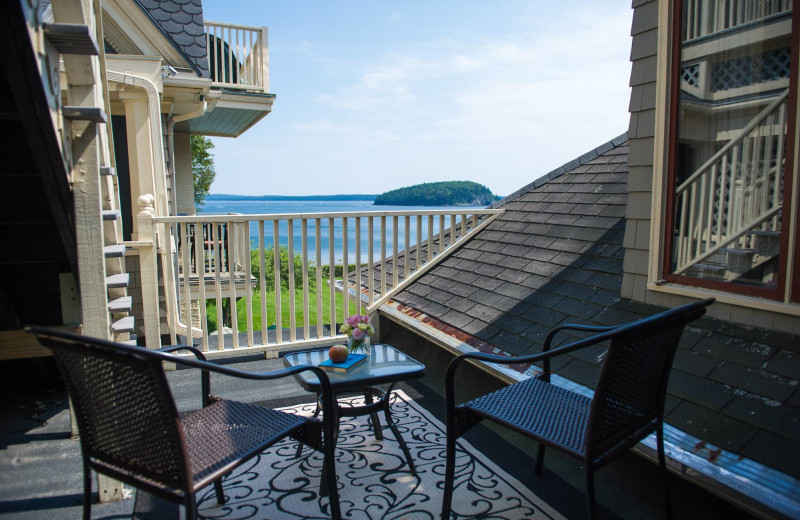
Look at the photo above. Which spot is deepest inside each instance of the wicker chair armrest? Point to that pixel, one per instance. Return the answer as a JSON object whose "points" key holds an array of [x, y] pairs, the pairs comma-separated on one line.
{"points": [[567, 326], [509, 360], [194, 350], [205, 377], [325, 384]]}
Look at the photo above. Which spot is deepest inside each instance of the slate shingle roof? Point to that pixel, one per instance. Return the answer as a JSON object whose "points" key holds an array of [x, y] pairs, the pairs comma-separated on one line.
{"points": [[182, 23], [555, 256]]}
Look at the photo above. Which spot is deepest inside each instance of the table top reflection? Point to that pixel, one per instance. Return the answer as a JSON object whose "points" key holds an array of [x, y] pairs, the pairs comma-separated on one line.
{"points": [[386, 364]]}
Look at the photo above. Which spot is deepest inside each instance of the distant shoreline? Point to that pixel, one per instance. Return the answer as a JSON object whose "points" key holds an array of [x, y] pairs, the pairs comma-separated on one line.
{"points": [[223, 196]]}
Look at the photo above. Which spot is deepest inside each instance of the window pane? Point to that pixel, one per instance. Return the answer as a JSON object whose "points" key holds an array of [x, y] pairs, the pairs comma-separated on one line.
{"points": [[732, 124]]}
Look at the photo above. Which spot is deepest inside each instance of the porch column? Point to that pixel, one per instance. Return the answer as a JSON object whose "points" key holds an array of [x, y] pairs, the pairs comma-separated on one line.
{"points": [[184, 184], [140, 149]]}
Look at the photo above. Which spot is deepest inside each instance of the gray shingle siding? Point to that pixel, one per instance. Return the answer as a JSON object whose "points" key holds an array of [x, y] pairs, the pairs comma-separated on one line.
{"points": [[182, 22]]}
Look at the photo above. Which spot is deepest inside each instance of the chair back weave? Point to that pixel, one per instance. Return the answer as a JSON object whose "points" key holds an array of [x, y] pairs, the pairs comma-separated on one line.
{"points": [[125, 412], [633, 382]]}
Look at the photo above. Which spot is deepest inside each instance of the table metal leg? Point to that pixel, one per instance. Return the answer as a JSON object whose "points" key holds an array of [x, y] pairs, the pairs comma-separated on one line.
{"points": [[387, 412], [373, 417]]}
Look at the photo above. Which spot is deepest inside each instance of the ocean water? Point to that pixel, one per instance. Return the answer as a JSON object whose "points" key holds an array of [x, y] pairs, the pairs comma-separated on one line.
{"points": [[328, 206]]}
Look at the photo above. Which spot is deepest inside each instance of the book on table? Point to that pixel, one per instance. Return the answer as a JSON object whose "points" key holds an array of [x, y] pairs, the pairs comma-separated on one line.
{"points": [[352, 361]]}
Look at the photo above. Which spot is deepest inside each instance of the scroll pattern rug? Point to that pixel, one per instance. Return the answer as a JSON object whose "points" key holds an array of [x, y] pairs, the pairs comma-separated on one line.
{"points": [[374, 480]]}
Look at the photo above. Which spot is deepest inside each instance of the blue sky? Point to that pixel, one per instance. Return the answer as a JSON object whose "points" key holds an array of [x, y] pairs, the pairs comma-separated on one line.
{"points": [[377, 95]]}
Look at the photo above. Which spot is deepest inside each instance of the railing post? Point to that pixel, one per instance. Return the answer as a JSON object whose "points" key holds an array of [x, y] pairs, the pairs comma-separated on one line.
{"points": [[264, 59], [149, 270]]}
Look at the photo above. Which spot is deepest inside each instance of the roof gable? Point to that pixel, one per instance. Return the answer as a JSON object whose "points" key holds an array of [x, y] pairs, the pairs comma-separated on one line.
{"points": [[182, 22]]}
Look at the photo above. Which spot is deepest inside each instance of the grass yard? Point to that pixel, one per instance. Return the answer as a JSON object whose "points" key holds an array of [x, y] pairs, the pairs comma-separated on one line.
{"points": [[241, 306]]}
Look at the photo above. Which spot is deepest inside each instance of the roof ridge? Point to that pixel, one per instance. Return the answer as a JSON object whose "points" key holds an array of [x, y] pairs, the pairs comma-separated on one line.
{"points": [[566, 167]]}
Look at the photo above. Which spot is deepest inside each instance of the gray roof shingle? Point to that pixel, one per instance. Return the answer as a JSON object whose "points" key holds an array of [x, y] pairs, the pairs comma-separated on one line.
{"points": [[182, 22], [555, 256]]}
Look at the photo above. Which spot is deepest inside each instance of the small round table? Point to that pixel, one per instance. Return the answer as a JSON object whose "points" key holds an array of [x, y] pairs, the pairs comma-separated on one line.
{"points": [[386, 365]]}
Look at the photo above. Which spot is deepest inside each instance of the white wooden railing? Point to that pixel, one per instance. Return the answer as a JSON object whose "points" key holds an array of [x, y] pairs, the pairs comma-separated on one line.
{"points": [[736, 191], [208, 258], [238, 56], [704, 17]]}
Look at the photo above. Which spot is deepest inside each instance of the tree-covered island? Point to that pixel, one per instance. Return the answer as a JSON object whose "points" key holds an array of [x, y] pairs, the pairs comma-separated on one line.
{"points": [[449, 193]]}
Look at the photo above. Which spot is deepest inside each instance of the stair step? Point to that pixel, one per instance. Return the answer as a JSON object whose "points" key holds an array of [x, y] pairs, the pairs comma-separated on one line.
{"points": [[121, 304], [114, 251], [125, 324], [129, 342], [710, 267], [107, 170], [764, 233], [84, 114], [116, 281], [111, 214], [69, 38], [738, 252]]}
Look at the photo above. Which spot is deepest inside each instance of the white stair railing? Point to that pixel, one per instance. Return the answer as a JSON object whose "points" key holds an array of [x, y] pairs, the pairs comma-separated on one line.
{"points": [[379, 253], [735, 191]]}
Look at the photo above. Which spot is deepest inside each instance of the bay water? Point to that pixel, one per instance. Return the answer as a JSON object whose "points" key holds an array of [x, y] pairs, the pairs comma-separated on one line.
{"points": [[271, 207]]}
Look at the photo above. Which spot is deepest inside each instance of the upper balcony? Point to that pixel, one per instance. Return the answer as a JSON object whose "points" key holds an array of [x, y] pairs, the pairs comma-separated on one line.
{"points": [[238, 63], [238, 56]]}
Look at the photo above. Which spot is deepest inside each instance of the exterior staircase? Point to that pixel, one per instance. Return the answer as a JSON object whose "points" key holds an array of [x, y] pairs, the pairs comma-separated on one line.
{"points": [[728, 212]]}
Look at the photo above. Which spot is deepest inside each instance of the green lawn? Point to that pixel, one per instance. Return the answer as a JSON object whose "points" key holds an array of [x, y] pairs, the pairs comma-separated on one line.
{"points": [[241, 306]]}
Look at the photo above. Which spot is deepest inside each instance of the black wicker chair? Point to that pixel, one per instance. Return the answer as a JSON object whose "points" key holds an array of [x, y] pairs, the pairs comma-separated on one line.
{"points": [[130, 429], [627, 406]]}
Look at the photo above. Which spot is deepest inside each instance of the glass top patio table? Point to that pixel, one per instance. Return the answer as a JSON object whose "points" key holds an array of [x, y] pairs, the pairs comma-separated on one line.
{"points": [[386, 364]]}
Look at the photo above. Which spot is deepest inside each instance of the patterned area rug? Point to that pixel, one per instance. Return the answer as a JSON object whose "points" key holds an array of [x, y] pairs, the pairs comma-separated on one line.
{"points": [[374, 479]]}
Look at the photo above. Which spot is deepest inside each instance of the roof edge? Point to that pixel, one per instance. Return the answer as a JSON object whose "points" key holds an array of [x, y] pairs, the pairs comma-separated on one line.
{"points": [[561, 170]]}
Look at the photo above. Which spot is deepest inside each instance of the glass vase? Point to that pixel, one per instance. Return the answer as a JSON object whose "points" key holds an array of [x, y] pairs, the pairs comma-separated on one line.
{"points": [[359, 346]]}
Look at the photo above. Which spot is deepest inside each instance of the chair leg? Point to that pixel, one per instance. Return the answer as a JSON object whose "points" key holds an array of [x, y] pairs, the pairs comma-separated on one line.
{"points": [[191, 507], [449, 475], [218, 490], [590, 500], [539, 460], [329, 472], [87, 492], [662, 464]]}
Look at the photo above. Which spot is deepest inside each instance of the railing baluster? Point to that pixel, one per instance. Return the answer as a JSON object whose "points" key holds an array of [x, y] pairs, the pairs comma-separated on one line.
{"points": [[262, 280], [187, 294], [199, 255], [215, 236], [248, 285], [395, 237], [441, 234], [692, 210], [407, 246], [701, 213], [304, 231], [345, 272], [419, 243], [276, 257], [332, 278], [430, 238], [358, 264], [290, 266], [383, 255], [232, 235], [318, 257], [722, 205], [371, 259]]}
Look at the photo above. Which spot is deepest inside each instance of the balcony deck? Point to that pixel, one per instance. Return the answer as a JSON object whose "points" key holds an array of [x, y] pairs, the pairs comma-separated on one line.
{"points": [[40, 468]]}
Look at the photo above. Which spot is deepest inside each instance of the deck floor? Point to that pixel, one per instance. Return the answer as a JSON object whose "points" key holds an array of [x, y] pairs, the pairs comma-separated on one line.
{"points": [[40, 464]]}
